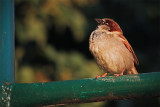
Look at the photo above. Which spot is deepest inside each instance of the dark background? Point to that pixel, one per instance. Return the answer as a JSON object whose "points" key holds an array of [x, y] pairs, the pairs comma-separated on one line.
{"points": [[52, 39]]}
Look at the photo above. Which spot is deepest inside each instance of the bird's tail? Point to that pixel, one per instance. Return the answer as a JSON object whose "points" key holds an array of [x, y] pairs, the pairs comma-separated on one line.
{"points": [[132, 71]]}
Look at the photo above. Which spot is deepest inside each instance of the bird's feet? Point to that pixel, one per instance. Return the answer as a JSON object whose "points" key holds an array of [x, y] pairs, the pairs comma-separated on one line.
{"points": [[116, 75], [101, 75]]}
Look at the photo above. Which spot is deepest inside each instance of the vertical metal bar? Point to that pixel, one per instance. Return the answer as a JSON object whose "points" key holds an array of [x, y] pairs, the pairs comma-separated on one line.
{"points": [[6, 41]]}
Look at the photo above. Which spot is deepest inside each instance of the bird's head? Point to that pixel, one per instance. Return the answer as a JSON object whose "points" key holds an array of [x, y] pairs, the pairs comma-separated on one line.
{"points": [[108, 24]]}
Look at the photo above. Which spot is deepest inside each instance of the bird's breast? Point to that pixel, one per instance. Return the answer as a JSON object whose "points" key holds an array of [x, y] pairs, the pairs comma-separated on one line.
{"points": [[110, 53]]}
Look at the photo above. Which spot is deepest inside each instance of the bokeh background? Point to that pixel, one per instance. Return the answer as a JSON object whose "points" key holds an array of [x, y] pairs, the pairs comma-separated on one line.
{"points": [[52, 40]]}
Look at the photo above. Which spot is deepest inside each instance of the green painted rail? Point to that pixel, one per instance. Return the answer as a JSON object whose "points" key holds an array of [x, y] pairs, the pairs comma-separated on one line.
{"points": [[81, 91]]}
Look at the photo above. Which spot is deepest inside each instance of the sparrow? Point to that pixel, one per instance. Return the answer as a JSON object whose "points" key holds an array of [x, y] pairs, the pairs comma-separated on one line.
{"points": [[111, 49]]}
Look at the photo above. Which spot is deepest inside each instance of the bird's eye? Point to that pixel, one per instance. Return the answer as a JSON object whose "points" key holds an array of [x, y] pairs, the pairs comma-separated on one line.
{"points": [[106, 23]]}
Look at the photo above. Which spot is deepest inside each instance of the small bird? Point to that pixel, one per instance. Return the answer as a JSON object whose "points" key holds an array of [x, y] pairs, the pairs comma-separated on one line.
{"points": [[111, 49]]}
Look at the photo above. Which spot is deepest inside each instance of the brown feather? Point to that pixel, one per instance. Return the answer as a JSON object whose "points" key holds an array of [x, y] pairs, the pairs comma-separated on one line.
{"points": [[128, 46]]}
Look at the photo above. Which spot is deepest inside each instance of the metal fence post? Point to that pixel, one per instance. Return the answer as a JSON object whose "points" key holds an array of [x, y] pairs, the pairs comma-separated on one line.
{"points": [[6, 41]]}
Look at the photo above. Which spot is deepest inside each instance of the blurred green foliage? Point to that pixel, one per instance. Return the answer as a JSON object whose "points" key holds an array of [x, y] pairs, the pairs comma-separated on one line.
{"points": [[32, 20], [52, 37]]}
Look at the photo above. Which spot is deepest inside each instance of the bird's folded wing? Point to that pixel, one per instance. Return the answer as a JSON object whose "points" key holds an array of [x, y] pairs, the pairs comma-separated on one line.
{"points": [[128, 46]]}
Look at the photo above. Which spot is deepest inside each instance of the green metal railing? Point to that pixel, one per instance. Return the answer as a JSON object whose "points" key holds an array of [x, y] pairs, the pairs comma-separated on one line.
{"points": [[81, 91], [62, 92]]}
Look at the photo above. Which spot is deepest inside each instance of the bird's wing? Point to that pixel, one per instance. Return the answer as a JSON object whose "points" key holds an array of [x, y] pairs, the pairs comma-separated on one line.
{"points": [[128, 46]]}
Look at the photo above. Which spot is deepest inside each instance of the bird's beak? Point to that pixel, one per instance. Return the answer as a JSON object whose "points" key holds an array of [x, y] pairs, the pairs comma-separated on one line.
{"points": [[99, 21]]}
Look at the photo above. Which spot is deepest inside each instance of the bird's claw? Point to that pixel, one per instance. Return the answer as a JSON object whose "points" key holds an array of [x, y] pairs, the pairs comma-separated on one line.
{"points": [[116, 75], [101, 76], [97, 77]]}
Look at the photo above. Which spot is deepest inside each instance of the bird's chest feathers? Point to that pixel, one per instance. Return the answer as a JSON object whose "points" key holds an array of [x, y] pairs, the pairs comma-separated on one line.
{"points": [[103, 44]]}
